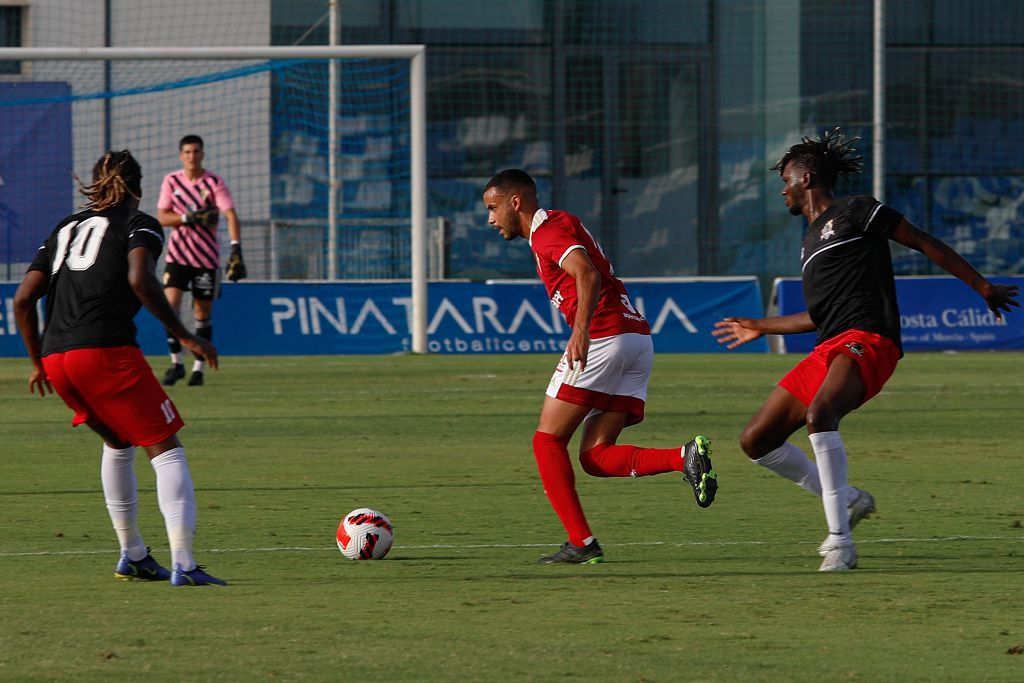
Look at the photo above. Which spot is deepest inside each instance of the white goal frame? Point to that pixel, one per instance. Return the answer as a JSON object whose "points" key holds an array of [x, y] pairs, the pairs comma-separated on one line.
{"points": [[416, 54]]}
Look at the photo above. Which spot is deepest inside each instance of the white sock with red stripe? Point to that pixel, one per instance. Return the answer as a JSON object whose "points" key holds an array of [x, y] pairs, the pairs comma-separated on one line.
{"points": [[830, 453], [177, 504], [120, 490]]}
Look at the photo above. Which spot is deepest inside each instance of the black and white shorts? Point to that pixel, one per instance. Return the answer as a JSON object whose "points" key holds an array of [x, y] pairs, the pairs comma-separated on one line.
{"points": [[204, 283]]}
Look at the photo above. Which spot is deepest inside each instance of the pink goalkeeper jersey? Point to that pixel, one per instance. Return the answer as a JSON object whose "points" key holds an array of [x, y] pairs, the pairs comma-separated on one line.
{"points": [[553, 236], [191, 244]]}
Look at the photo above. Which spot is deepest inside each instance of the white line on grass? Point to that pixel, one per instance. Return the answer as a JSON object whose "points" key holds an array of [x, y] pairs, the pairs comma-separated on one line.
{"points": [[473, 546]]}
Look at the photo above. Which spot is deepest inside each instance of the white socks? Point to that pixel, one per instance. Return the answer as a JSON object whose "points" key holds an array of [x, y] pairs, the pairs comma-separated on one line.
{"points": [[198, 365], [177, 504], [790, 462], [120, 489], [830, 455]]}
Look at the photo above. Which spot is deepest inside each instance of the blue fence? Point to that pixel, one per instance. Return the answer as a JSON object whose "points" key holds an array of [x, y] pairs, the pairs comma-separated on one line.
{"points": [[307, 318], [936, 314]]}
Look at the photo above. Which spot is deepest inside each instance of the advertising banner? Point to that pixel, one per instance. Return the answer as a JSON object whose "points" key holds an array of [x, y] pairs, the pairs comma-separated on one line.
{"points": [[33, 196], [312, 318], [936, 314]]}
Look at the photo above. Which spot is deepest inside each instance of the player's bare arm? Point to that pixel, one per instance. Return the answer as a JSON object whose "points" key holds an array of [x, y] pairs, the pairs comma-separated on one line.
{"points": [[207, 217], [999, 298], [32, 288], [143, 280], [588, 287], [234, 227], [168, 219], [235, 268], [735, 332]]}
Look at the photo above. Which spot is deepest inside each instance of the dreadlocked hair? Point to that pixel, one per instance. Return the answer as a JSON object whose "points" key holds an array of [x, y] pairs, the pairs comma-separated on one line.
{"points": [[115, 177], [827, 157]]}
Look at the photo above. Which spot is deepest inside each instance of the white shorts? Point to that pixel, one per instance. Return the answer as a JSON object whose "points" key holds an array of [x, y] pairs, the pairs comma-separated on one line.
{"points": [[615, 379]]}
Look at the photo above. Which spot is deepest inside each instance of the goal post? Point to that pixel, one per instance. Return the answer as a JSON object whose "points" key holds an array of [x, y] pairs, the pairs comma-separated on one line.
{"points": [[417, 145]]}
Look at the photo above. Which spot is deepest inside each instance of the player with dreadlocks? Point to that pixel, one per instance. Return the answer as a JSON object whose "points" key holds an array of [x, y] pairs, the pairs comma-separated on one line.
{"points": [[96, 269], [850, 291]]}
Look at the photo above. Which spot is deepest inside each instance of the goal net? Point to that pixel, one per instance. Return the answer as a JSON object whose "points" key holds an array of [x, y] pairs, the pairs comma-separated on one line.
{"points": [[267, 132], [323, 148]]}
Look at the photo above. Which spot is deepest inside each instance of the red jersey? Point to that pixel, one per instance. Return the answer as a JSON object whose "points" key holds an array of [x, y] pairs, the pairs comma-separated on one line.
{"points": [[553, 235]]}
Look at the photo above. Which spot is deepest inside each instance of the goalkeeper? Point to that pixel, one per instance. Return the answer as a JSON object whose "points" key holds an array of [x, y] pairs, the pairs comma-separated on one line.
{"points": [[191, 202]]}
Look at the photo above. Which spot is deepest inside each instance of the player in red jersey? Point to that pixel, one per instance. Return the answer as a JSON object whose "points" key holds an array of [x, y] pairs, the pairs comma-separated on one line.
{"points": [[96, 269], [601, 380], [191, 201], [850, 292]]}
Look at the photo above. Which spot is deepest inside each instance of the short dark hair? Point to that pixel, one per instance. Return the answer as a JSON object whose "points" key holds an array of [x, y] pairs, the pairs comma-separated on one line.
{"points": [[190, 140], [512, 179], [827, 157]]}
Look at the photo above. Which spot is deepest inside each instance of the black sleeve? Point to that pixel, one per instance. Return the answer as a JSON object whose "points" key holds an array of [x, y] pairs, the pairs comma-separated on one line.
{"points": [[42, 261], [876, 218], [145, 231]]}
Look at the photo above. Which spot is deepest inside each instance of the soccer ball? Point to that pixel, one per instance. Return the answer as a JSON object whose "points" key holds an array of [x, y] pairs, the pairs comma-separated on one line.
{"points": [[365, 534]]}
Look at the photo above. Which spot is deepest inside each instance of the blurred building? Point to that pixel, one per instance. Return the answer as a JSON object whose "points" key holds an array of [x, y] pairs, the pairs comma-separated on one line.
{"points": [[655, 120]]}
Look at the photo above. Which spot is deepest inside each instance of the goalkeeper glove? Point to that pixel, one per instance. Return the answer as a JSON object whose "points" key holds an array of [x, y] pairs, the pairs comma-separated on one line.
{"points": [[206, 218], [235, 268]]}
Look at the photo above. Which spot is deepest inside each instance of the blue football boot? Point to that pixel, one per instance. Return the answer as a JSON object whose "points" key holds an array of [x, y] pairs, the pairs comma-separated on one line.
{"points": [[194, 577], [146, 569]]}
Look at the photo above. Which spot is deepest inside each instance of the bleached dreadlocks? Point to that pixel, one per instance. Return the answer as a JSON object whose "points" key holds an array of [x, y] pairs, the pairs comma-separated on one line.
{"points": [[115, 177], [827, 157]]}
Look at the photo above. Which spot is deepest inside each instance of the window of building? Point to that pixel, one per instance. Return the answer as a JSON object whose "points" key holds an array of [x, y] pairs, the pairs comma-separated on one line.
{"points": [[644, 22], [11, 35]]}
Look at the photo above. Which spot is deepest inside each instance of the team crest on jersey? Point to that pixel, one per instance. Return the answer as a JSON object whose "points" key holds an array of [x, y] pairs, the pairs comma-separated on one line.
{"points": [[855, 348], [827, 232]]}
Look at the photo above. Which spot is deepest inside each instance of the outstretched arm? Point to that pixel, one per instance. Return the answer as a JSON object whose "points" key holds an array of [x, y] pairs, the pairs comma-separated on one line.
{"points": [[998, 297], [31, 290], [734, 332], [143, 281]]}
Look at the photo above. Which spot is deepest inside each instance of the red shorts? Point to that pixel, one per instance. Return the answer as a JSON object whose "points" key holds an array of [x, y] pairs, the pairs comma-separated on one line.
{"points": [[114, 388], [875, 355]]}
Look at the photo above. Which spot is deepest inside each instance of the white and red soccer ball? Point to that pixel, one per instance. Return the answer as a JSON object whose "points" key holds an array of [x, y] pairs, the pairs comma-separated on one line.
{"points": [[365, 534]]}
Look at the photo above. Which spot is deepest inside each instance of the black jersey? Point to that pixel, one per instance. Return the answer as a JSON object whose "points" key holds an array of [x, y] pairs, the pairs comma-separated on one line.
{"points": [[89, 302], [847, 269]]}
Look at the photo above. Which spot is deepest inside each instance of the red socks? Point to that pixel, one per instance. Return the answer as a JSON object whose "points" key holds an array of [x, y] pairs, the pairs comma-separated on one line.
{"points": [[552, 454], [612, 460], [603, 460]]}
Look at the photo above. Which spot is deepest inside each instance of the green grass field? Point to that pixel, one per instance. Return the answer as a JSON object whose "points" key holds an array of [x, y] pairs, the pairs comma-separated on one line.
{"points": [[280, 449]]}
